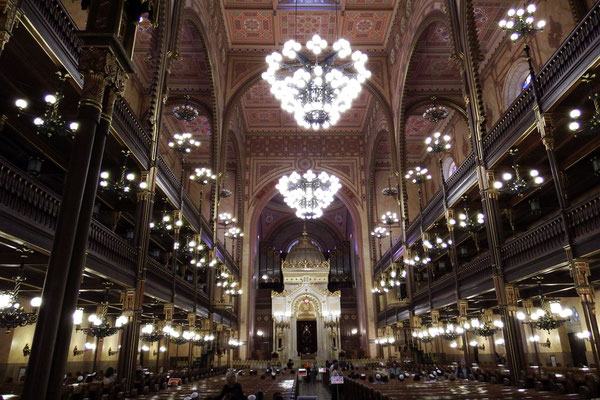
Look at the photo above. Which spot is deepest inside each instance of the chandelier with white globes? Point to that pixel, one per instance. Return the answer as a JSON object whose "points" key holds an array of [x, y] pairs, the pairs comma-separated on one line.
{"points": [[309, 194], [315, 88]]}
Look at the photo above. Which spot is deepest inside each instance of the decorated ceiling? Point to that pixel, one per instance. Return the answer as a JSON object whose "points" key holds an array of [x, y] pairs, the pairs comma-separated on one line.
{"points": [[269, 23]]}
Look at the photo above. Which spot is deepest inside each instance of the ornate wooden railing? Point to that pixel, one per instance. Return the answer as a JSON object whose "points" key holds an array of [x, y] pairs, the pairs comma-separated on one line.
{"points": [[132, 132], [27, 198], [535, 243], [168, 181], [20, 194], [584, 218], [55, 25], [571, 59], [111, 246]]}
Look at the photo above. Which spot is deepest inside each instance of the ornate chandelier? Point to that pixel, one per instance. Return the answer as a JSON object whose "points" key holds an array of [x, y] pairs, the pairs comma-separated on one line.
{"points": [[51, 122], [309, 194], [316, 90], [435, 113], [124, 185], [590, 125], [185, 112], [437, 246], [184, 143], [518, 184], [12, 313], [150, 333], [99, 325]]}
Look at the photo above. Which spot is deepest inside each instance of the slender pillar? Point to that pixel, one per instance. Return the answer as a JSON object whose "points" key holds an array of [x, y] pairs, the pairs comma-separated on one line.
{"points": [[71, 293], [580, 271], [41, 360], [130, 341]]}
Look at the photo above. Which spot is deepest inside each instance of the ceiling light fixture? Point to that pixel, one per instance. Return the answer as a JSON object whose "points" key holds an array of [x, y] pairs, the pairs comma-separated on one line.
{"points": [[308, 193], [185, 112], [316, 90], [435, 112]]}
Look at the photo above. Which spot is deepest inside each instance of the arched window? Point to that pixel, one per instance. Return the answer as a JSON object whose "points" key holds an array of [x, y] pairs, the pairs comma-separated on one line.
{"points": [[518, 79], [449, 167], [527, 82]]}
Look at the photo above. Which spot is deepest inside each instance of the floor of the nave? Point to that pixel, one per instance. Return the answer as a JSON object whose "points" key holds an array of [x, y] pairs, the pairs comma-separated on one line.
{"points": [[284, 383], [211, 387]]}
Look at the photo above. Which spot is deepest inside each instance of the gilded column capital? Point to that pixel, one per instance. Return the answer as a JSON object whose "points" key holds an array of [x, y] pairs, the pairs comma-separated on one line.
{"points": [[462, 307], [10, 13], [168, 311]]}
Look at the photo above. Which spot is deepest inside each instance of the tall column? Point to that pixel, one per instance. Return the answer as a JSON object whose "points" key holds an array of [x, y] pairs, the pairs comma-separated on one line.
{"points": [[130, 339], [513, 334], [462, 318], [95, 64], [77, 264], [580, 270], [466, 50], [191, 326], [168, 310]]}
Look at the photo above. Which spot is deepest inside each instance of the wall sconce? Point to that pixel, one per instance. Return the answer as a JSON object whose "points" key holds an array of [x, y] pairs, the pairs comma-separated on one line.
{"points": [[474, 344], [596, 165], [162, 349], [259, 333], [535, 207], [584, 335], [354, 331], [536, 339], [87, 346], [26, 350], [146, 348], [499, 342], [34, 166], [111, 352]]}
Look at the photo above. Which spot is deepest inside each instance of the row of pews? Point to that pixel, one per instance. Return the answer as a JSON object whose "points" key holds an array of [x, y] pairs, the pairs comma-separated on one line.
{"points": [[144, 384], [489, 382]]}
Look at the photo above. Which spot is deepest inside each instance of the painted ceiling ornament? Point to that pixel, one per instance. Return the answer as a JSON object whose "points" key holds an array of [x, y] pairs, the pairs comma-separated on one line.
{"points": [[316, 88], [308, 193]]}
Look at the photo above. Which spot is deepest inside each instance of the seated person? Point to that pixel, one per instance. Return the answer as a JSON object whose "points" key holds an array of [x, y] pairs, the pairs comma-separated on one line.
{"points": [[232, 390], [463, 371]]}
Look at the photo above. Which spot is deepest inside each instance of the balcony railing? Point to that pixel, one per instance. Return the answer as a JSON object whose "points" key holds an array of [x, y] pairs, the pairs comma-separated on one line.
{"points": [[55, 25], [132, 132], [29, 200]]}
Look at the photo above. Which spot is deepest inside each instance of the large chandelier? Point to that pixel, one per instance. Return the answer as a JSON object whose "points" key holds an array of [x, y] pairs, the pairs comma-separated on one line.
{"points": [[309, 194], [316, 90], [12, 313], [518, 183], [185, 112], [435, 112], [125, 184], [51, 122], [99, 326]]}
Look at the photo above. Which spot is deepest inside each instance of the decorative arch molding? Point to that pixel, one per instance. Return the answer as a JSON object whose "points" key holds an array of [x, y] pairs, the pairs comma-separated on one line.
{"points": [[445, 101], [433, 16], [322, 224], [203, 108], [513, 84], [235, 99], [310, 292], [427, 12], [191, 15]]}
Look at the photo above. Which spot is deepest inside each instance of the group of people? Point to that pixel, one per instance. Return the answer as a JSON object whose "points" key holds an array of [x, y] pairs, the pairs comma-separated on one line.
{"points": [[107, 377], [232, 390]]}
